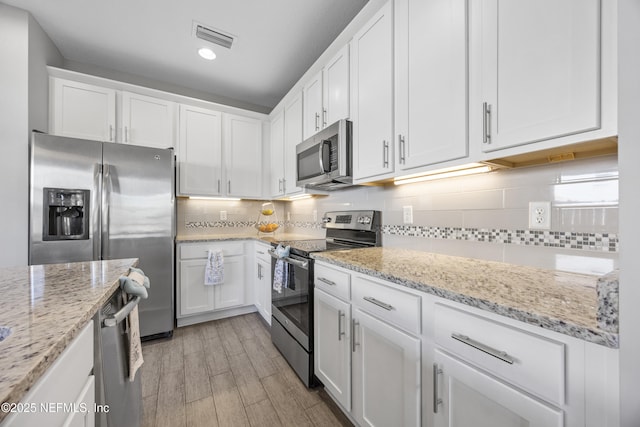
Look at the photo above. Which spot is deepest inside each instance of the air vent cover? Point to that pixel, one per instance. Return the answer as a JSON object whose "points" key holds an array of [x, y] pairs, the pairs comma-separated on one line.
{"points": [[213, 36]]}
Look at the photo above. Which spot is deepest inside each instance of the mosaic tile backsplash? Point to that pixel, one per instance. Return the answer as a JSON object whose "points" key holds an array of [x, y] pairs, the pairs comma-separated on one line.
{"points": [[482, 216]]}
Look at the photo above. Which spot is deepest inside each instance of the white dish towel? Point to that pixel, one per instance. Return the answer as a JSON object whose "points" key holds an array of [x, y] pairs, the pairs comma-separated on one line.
{"points": [[214, 270]]}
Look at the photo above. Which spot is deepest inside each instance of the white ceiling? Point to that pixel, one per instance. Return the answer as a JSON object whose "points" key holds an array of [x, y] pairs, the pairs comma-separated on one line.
{"points": [[276, 40]]}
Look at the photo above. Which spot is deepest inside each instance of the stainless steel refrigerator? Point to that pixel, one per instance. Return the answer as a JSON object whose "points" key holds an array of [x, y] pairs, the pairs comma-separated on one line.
{"points": [[92, 200]]}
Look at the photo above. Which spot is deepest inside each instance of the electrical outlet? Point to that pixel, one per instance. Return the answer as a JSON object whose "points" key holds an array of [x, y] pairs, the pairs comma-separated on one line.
{"points": [[223, 215], [407, 214], [288, 216], [540, 215], [315, 215]]}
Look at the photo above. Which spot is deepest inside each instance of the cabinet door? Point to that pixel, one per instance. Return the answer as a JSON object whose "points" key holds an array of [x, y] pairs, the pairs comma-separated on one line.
{"points": [[372, 96], [386, 374], [292, 137], [313, 117], [431, 100], [200, 165], [332, 348], [263, 289], [195, 297], [335, 85], [470, 397], [540, 70], [147, 121], [83, 111], [231, 292], [276, 152], [243, 156]]}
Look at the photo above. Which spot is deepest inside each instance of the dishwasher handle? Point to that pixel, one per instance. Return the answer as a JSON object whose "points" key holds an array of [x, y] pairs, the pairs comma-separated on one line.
{"points": [[118, 317]]}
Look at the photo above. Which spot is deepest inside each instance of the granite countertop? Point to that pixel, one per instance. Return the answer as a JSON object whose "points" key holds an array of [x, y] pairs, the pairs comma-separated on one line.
{"points": [[268, 238], [563, 302], [46, 306]]}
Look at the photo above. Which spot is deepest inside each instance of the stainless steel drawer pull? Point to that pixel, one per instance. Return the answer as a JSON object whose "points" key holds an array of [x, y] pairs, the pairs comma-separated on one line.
{"points": [[502, 355], [378, 303], [486, 123], [327, 281], [340, 331], [437, 401]]}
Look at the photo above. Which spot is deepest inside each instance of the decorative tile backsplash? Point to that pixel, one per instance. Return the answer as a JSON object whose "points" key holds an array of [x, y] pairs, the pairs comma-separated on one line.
{"points": [[605, 242]]}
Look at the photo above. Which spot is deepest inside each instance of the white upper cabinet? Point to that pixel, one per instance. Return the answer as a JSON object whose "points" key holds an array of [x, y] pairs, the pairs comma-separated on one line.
{"points": [[200, 142], [147, 121], [243, 156], [292, 137], [335, 85], [276, 150], [372, 97], [431, 50], [81, 110], [326, 95], [313, 111], [541, 70]]}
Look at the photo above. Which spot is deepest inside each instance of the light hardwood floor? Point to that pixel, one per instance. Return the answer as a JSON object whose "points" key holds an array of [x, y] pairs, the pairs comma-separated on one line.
{"points": [[227, 373]]}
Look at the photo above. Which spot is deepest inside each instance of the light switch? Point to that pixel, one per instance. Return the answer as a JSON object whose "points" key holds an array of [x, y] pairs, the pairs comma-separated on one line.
{"points": [[407, 214], [223, 215]]}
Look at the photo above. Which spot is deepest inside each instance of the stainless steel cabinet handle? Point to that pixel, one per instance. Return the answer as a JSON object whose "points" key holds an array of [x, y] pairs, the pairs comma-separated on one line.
{"points": [[259, 271], [261, 253], [284, 185], [401, 149], [118, 317], [385, 154], [378, 303], [229, 187], [502, 355], [126, 134], [111, 133], [324, 117], [437, 401], [327, 281], [354, 325], [218, 186], [340, 331], [317, 120], [280, 185], [486, 123]]}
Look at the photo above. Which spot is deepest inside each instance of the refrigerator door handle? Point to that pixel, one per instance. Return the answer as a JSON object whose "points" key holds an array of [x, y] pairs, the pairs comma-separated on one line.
{"points": [[106, 193], [94, 211]]}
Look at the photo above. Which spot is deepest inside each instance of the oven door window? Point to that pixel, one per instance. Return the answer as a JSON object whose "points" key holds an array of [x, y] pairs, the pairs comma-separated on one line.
{"points": [[293, 299]]}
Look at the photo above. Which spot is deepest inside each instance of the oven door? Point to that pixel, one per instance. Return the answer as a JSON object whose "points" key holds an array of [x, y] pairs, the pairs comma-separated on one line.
{"points": [[291, 303]]}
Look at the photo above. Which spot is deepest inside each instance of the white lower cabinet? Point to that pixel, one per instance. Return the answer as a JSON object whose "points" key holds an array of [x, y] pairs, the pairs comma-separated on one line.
{"points": [[332, 345], [467, 396], [69, 381], [198, 302], [263, 281], [369, 365], [386, 373]]}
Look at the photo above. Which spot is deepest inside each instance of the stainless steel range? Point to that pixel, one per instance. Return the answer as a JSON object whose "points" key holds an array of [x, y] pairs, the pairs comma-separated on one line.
{"points": [[292, 280]]}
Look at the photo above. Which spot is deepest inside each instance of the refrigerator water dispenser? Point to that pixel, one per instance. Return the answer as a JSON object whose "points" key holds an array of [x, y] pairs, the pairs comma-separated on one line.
{"points": [[66, 214]]}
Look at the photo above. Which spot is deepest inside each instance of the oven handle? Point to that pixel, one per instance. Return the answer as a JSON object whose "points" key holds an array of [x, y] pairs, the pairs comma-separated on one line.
{"points": [[302, 264]]}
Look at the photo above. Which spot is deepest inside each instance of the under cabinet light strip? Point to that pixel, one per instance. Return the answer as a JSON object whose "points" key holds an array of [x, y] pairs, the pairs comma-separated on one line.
{"points": [[441, 175]]}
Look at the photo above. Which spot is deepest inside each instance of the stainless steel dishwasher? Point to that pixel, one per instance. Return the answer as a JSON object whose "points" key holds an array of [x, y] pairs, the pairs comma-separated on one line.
{"points": [[114, 391]]}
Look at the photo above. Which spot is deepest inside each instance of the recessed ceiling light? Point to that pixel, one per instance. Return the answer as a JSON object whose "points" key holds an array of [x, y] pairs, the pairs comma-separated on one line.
{"points": [[207, 53]]}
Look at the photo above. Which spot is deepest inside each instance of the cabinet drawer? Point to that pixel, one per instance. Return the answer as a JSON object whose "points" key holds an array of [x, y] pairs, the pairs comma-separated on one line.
{"points": [[531, 362], [262, 253], [333, 281], [200, 250], [393, 305]]}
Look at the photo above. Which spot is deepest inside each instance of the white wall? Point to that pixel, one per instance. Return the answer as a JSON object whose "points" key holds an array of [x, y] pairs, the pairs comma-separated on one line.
{"points": [[629, 153], [24, 49]]}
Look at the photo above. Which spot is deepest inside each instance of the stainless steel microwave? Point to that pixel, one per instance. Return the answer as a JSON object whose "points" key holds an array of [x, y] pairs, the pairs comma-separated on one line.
{"points": [[324, 160]]}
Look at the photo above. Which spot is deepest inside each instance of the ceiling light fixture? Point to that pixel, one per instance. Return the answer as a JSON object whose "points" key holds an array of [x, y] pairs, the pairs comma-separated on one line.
{"points": [[469, 169], [207, 53]]}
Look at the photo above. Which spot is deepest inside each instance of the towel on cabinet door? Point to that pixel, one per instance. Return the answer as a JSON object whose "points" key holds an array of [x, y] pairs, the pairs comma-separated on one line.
{"points": [[214, 270]]}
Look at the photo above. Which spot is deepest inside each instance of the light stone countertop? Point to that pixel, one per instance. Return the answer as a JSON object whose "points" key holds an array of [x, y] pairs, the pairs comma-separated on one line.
{"points": [[46, 306], [267, 238], [563, 302]]}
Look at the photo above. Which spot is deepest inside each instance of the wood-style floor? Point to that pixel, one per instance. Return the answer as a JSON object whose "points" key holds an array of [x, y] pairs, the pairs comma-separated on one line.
{"points": [[227, 373]]}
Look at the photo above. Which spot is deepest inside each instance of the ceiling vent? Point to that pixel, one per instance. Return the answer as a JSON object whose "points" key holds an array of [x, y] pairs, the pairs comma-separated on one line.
{"points": [[212, 36]]}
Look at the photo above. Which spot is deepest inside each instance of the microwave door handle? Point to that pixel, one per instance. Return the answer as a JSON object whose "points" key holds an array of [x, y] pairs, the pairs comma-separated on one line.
{"points": [[323, 144]]}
